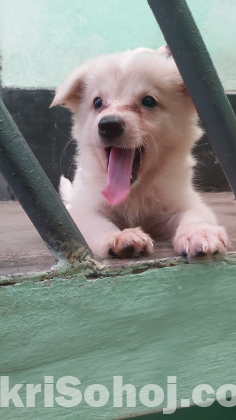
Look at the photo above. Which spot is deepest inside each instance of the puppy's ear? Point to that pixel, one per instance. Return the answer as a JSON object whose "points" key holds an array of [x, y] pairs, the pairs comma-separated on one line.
{"points": [[141, 49], [70, 92], [164, 50]]}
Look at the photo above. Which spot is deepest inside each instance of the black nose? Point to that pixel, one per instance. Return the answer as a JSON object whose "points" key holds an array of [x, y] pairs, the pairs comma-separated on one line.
{"points": [[111, 127]]}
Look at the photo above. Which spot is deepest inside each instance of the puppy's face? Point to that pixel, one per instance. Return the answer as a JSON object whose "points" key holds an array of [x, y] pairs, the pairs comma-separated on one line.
{"points": [[128, 108]]}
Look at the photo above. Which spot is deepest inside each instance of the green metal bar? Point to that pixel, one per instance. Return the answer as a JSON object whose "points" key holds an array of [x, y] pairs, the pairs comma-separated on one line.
{"points": [[201, 80], [36, 194]]}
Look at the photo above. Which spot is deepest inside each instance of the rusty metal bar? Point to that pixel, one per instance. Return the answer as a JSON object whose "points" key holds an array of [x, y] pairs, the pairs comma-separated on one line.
{"points": [[36, 194]]}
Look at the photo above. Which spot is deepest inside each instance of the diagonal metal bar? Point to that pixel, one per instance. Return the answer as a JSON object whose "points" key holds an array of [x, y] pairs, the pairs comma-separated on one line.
{"points": [[36, 194], [201, 80]]}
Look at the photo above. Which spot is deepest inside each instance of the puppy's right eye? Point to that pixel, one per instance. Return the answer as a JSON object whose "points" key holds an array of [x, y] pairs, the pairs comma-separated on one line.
{"points": [[149, 102], [97, 103]]}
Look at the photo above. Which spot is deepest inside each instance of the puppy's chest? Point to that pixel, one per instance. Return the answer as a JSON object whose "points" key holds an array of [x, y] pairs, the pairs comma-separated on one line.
{"points": [[152, 217]]}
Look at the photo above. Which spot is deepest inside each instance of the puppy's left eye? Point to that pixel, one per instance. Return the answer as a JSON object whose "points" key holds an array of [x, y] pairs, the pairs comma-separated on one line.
{"points": [[149, 102], [97, 103]]}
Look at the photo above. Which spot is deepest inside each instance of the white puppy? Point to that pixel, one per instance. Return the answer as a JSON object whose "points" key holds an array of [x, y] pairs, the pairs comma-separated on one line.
{"points": [[135, 126]]}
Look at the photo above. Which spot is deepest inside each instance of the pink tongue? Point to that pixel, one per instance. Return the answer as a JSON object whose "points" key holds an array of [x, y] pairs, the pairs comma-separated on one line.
{"points": [[119, 174]]}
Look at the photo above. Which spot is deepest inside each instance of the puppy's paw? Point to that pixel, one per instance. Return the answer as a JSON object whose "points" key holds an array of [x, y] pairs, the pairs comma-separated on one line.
{"points": [[199, 239], [130, 243]]}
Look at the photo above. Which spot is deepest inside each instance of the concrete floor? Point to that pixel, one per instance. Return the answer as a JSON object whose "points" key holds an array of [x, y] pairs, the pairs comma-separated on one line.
{"points": [[22, 249]]}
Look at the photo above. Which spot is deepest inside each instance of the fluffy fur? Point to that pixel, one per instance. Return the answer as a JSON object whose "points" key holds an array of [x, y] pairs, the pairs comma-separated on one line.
{"points": [[162, 202]]}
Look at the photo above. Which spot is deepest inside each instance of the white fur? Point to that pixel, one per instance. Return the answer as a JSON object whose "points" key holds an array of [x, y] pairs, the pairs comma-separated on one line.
{"points": [[162, 202], [66, 191]]}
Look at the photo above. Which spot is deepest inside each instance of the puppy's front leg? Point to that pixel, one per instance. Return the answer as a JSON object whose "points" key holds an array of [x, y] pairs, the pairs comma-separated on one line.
{"points": [[198, 233], [106, 240]]}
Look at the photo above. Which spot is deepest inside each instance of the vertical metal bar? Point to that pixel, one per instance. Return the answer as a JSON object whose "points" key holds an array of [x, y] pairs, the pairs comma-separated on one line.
{"points": [[35, 192], [201, 79]]}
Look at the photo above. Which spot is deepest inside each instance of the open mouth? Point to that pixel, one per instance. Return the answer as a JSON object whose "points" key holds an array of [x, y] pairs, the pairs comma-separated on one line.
{"points": [[136, 162], [122, 171]]}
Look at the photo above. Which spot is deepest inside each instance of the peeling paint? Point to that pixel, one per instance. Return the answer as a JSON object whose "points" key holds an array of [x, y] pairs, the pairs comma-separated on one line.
{"points": [[93, 270]]}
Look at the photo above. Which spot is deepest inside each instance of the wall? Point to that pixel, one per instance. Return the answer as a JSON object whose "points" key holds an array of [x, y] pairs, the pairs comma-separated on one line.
{"points": [[41, 41]]}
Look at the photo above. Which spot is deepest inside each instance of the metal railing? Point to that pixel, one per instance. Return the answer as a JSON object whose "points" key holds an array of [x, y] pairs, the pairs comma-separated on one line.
{"points": [[31, 185], [36, 194], [201, 79]]}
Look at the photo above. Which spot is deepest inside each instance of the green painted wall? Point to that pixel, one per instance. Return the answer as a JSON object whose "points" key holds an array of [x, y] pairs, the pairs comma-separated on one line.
{"points": [[42, 40], [174, 321]]}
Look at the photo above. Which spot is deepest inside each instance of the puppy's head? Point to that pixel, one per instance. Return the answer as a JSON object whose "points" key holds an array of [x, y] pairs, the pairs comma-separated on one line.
{"points": [[128, 108]]}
